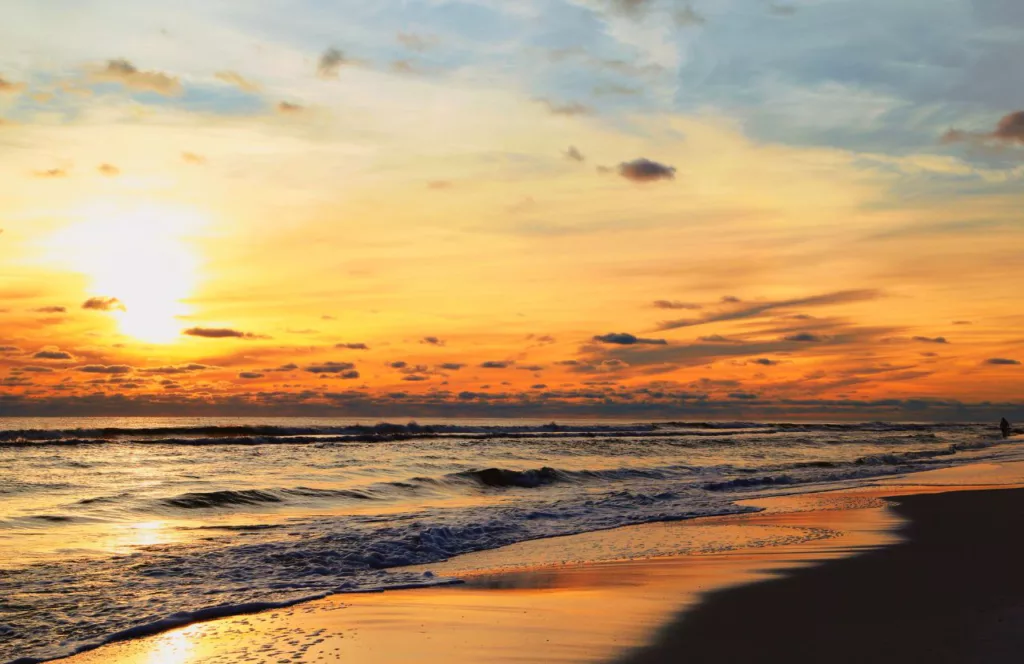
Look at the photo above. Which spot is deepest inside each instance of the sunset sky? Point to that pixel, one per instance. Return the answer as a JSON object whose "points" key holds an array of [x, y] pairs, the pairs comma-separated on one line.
{"points": [[626, 208]]}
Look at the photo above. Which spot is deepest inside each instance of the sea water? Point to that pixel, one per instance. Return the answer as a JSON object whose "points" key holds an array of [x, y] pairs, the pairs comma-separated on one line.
{"points": [[112, 527]]}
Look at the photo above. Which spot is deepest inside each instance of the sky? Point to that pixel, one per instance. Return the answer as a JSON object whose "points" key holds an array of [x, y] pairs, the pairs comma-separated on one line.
{"points": [[717, 209]]}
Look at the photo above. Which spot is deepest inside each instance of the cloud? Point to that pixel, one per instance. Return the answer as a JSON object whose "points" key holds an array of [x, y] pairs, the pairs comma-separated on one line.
{"points": [[753, 310], [353, 346], [103, 304], [9, 349], [451, 366], [291, 366], [717, 339], [108, 170], [6, 87], [782, 10], [742, 396], [440, 184], [220, 333], [193, 158], [51, 173], [931, 340], [1001, 361], [236, 79], [415, 42], [288, 107], [115, 369], [121, 71], [1010, 129], [330, 368], [400, 364], [626, 339], [250, 375], [687, 16], [564, 108], [175, 370], [630, 8], [330, 63], [675, 304], [54, 354], [764, 361], [574, 154], [50, 310], [495, 365], [415, 378], [804, 338], [645, 170], [433, 341], [34, 369]]}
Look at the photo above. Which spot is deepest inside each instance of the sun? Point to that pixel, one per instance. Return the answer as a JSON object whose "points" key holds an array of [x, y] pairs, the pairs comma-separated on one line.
{"points": [[140, 255]]}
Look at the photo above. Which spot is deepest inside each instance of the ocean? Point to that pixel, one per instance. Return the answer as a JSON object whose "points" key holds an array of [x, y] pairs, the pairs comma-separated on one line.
{"points": [[113, 527]]}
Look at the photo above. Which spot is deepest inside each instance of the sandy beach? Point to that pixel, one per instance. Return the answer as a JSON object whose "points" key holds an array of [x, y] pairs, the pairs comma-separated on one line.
{"points": [[936, 554]]}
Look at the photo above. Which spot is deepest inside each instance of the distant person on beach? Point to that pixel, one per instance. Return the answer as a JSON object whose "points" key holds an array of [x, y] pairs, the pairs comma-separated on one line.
{"points": [[1004, 426]]}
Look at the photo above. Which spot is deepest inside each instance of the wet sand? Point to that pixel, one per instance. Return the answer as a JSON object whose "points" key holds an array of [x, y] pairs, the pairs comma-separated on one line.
{"points": [[752, 589], [953, 591]]}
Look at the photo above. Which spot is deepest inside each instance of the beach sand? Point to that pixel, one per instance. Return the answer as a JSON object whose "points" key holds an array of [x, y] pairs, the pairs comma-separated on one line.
{"points": [[936, 580]]}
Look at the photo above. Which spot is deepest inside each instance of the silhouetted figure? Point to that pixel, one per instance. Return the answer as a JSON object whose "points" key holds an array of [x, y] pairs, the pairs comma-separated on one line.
{"points": [[1004, 426]]}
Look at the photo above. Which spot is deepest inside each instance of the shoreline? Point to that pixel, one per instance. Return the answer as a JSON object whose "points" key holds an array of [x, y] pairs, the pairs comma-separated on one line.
{"points": [[499, 607], [950, 591]]}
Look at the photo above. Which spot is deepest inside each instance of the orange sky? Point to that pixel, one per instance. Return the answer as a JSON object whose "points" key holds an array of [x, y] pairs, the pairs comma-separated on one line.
{"points": [[555, 208]]}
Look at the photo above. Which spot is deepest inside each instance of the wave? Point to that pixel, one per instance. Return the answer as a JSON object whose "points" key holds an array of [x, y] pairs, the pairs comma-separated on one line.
{"points": [[386, 431], [232, 498]]}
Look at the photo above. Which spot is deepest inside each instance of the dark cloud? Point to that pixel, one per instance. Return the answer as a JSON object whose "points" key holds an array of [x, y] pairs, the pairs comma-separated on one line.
{"points": [[103, 304], [108, 170], [1001, 361], [626, 339], [1011, 128], [250, 375], [931, 340], [495, 365], [177, 369], [105, 368], [574, 154], [565, 108], [717, 339], [288, 107], [764, 361], [330, 368], [283, 368], [675, 304], [33, 369], [451, 366], [9, 349], [330, 63], [220, 333], [50, 310], [752, 310], [415, 378], [352, 346], [53, 355], [803, 337], [645, 170], [433, 341], [745, 396], [530, 367], [400, 364], [730, 299], [121, 71]]}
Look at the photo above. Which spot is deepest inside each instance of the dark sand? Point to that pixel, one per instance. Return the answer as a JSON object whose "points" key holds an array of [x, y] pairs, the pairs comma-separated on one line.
{"points": [[952, 592]]}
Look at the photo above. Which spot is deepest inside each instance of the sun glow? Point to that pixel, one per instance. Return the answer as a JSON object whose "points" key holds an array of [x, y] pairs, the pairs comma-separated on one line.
{"points": [[140, 256]]}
